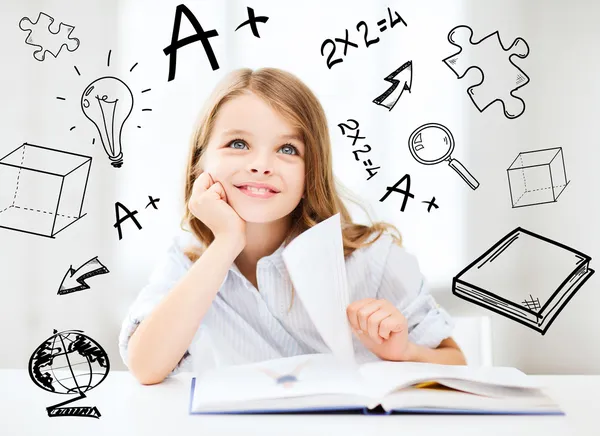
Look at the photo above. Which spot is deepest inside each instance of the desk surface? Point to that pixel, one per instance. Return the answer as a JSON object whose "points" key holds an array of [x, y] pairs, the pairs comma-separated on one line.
{"points": [[129, 408]]}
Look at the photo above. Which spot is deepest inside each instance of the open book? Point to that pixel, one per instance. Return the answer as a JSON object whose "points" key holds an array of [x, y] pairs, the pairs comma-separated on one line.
{"points": [[320, 383]]}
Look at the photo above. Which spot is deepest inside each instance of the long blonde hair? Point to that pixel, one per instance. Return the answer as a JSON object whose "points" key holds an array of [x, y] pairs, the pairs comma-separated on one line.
{"points": [[289, 96]]}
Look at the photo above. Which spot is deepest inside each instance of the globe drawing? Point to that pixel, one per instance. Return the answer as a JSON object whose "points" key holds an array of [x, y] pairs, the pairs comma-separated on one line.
{"points": [[69, 362]]}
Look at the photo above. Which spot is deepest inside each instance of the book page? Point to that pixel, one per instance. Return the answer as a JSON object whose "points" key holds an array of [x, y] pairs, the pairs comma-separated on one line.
{"points": [[388, 376], [315, 262], [450, 400], [310, 374]]}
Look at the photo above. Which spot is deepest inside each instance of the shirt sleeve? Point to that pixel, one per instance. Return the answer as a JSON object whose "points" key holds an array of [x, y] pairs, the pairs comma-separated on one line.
{"points": [[169, 269], [403, 284]]}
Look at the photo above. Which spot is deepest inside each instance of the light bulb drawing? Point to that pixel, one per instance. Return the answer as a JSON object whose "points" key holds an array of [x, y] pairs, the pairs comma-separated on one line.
{"points": [[107, 102]]}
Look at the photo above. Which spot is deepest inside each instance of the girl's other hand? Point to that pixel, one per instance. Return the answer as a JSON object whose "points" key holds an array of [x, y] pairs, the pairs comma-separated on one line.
{"points": [[209, 204], [381, 328]]}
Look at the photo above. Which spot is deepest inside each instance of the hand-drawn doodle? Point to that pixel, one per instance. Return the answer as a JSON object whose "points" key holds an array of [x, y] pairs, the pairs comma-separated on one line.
{"points": [[390, 189], [74, 279], [176, 43], [41, 189], [431, 203], [40, 35], [500, 77], [152, 202], [287, 380], [406, 192], [401, 80], [348, 43], [107, 102], [67, 363], [367, 163], [496, 281], [202, 36], [433, 143], [537, 177], [252, 20], [130, 215]]}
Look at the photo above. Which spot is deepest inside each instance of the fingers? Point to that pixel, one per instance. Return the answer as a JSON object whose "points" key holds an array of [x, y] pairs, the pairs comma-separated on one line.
{"points": [[352, 311], [366, 311], [218, 189], [378, 318], [206, 183], [392, 324], [373, 323], [202, 183]]}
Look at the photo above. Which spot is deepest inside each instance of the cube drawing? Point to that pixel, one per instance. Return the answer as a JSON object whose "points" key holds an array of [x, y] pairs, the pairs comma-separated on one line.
{"points": [[41, 189], [537, 177]]}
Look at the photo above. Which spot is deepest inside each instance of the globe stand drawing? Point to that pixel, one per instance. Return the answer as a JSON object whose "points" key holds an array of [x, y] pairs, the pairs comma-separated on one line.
{"points": [[69, 362]]}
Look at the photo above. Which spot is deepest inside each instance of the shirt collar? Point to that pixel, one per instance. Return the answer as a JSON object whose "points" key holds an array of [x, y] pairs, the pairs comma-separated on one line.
{"points": [[275, 259]]}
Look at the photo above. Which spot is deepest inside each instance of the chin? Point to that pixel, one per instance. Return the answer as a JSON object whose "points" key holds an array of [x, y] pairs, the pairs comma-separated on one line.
{"points": [[260, 216], [263, 214]]}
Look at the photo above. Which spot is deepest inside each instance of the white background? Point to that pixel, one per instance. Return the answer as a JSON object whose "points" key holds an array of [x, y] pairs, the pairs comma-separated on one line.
{"points": [[562, 110]]}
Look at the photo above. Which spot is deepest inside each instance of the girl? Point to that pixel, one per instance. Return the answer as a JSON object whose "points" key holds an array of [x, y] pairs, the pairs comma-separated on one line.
{"points": [[259, 173]]}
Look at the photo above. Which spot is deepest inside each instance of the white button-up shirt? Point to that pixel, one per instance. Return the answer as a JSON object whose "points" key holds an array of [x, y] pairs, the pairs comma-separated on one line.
{"points": [[244, 325]]}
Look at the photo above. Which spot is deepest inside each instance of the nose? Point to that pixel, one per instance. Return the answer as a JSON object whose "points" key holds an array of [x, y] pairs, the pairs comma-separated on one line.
{"points": [[261, 163]]}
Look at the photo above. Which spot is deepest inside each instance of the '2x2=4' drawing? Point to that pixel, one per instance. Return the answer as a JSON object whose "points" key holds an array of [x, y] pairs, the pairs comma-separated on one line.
{"points": [[525, 277]]}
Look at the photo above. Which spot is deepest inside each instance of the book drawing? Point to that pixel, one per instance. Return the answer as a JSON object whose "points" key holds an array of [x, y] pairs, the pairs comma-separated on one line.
{"points": [[525, 277]]}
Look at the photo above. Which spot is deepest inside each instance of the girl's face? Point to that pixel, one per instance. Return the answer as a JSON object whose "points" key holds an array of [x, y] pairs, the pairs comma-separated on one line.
{"points": [[252, 143]]}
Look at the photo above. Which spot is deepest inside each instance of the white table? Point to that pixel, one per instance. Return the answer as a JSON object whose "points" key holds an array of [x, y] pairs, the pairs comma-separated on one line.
{"points": [[129, 408]]}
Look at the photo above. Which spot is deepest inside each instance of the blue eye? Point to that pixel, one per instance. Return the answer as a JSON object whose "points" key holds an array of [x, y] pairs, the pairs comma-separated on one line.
{"points": [[238, 141], [291, 147], [241, 141]]}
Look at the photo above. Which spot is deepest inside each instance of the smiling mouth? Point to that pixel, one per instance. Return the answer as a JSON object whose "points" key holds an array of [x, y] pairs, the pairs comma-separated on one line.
{"points": [[256, 192]]}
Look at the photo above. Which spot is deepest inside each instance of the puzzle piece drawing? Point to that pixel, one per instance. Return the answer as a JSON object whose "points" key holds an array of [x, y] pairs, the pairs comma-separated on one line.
{"points": [[500, 77], [41, 36]]}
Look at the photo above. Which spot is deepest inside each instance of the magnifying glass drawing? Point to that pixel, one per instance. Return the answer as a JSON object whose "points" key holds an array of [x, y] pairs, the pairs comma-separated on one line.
{"points": [[433, 143]]}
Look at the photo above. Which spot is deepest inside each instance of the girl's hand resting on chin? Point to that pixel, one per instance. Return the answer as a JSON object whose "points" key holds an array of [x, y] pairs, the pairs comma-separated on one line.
{"points": [[209, 204]]}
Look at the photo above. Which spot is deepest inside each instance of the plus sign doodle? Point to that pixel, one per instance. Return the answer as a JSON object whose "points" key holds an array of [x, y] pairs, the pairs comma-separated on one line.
{"points": [[130, 215], [252, 20], [152, 202], [353, 125], [202, 36], [407, 194], [431, 204]]}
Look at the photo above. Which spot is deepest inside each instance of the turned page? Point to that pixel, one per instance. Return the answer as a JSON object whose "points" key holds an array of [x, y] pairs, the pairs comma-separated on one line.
{"points": [[315, 262]]}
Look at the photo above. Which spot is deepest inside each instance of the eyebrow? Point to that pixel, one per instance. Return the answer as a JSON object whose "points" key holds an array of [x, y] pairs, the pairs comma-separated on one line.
{"points": [[244, 132]]}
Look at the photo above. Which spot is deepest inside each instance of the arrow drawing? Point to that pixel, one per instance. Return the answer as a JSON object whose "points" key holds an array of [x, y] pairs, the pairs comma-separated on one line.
{"points": [[401, 80], [74, 279]]}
